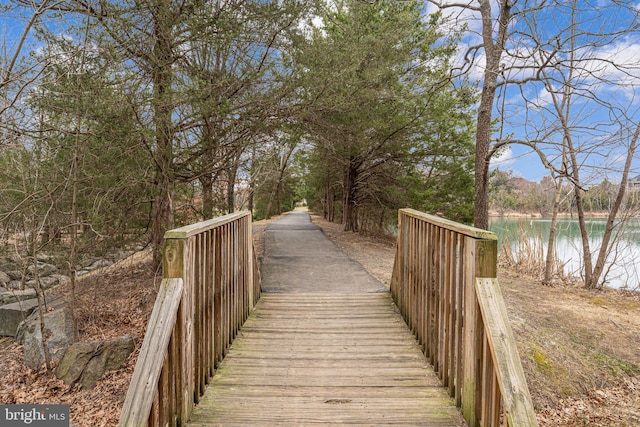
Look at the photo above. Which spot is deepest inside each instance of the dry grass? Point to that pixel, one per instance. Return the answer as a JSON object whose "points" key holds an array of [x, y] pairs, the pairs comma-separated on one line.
{"points": [[525, 256]]}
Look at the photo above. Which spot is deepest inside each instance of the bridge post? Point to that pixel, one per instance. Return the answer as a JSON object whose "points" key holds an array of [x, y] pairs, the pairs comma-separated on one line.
{"points": [[173, 267], [484, 255]]}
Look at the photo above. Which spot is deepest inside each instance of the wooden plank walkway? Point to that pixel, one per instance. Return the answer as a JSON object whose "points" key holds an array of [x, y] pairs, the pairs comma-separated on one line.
{"points": [[325, 358]]}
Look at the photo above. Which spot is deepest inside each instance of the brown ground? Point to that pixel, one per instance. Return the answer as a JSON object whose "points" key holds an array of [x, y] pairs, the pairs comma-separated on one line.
{"points": [[117, 303], [580, 350]]}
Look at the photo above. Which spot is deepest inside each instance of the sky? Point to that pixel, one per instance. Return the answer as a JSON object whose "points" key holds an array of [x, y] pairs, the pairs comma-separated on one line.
{"points": [[605, 82]]}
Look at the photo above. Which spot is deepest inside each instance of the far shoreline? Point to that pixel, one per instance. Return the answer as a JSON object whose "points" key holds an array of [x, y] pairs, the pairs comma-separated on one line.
{"points": [[564, 215]]}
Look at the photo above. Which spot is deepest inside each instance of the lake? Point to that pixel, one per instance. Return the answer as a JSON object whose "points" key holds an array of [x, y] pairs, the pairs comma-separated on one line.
{"points": [[624, 262]]}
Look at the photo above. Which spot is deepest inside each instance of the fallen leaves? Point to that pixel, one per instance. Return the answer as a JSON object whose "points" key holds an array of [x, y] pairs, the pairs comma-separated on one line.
{"points": [[608, 407], [109, 306]]}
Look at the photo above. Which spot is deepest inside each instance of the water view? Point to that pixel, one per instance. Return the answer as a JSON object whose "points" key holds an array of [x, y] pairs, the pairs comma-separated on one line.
{"points": [[623, 265]]}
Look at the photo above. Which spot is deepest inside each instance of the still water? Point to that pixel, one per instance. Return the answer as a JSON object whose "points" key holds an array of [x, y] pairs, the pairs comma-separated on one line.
{"points": [[623, 264]]}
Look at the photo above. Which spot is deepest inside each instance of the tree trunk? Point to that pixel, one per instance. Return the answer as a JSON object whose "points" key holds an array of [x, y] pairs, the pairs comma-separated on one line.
{"points": [[551, 251], [206, 182], [162, 215], [41, 303], [584, 234], [73, 241], [349, 205], [493, 54], [252, 180], [483, 143], [163, 218], [208, 177], [250, 200], [232, 173]]}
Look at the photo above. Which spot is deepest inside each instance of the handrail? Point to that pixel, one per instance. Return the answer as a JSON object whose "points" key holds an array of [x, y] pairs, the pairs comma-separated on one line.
{"points": [[517, 402], [444, 284], [210, 284]]}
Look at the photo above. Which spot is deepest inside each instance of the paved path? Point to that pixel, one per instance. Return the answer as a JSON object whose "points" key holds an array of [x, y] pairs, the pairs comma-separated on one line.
{"points": [[323, 346], [300, 258]]}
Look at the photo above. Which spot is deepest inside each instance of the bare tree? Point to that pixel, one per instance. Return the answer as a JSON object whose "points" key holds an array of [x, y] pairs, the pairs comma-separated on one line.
{"points": [[584, 132], [562, 53], [17, 75]]}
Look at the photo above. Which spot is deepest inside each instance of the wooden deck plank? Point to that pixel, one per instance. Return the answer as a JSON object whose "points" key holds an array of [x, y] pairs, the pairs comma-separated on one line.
{"points": [[311, 359]]}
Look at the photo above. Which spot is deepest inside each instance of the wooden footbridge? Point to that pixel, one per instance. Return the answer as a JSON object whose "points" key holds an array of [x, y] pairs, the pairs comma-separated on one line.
{"points": [[321, 342]]}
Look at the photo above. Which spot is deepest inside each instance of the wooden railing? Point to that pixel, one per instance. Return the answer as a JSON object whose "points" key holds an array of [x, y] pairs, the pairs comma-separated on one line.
{"points": [[444, 283], [210, 283]]}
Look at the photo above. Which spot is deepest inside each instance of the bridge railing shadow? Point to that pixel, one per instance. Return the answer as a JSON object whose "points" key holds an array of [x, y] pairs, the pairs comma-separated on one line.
{"points": [[444, 283], [210, 284]]}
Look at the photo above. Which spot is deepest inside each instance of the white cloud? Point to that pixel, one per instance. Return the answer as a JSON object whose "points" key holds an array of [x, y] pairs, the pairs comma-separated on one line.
{"points": [[306, 26], [617, 62], [504, 158]]}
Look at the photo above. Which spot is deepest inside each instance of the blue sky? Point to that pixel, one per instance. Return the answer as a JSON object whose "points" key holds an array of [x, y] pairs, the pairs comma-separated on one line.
{"points": [[606, 98]]}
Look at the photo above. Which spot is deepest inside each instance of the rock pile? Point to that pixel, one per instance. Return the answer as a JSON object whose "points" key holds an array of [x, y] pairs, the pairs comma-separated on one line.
{"points": [[20, 318], [18, 291]]}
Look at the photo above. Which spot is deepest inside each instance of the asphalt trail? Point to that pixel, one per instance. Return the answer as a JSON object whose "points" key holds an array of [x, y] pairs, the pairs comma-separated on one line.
{"points": [[298, 257]]}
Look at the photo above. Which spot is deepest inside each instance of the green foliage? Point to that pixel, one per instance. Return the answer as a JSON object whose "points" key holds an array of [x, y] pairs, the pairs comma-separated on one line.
{"points": [[83, 119], [389, 128], [155, 107]]}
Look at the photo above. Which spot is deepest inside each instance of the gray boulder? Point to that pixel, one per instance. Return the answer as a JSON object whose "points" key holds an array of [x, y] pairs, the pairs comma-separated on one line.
{"points": [[14, 274], [58, 330], [86, 362], [46, 282], [11, 315], [61, 279], [44, 269], [101, 263], [8, 297]]}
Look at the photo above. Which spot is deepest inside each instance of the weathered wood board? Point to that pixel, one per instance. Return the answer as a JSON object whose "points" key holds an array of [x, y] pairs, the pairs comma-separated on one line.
{"points": [[340, 359]]}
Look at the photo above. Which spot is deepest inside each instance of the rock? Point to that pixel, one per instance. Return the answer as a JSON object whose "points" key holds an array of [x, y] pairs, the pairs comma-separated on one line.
{"points": [[86, 362], [48, 282], [45, 282], [42, 257], [15, 274], [99, 264], [15, 284], [44, 269], [58, 330], [9, 297], [75, 360], [4, 278], [28, 323], [11, 315]]}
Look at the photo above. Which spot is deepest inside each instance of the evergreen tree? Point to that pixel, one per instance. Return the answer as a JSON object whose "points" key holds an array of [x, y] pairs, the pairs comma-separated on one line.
{"points": [[379, 106]]}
